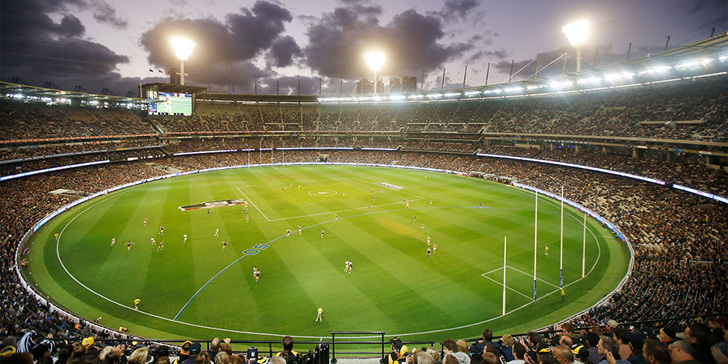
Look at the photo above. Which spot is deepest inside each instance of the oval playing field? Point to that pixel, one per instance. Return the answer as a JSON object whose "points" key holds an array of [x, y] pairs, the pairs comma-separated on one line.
{"points": [[201, 289]]}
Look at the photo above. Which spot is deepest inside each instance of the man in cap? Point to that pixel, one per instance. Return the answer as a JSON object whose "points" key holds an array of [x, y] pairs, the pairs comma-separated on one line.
{"points": [[398, 354], [636, 341], [195, 349]]}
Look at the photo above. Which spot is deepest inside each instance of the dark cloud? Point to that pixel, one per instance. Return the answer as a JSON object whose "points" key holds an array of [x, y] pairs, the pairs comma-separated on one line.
{"points": [[696, 6], [225, 47], [338, 40], [459, 8], [70, 27], [212, 37], [104, 13], [255, 30], [239, 76], [37, 49], [283, 51], [496, 55]]}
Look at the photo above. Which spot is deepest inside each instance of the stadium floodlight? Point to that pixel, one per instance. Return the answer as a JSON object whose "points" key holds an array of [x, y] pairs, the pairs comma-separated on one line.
{"points": [[576, 33], [375, 60], [182, 49]]}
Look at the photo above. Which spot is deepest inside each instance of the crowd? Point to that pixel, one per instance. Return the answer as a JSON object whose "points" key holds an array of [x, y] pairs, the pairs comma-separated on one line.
{"points": [[686, 111], [679, 239], [28, 121], [612, 343]]}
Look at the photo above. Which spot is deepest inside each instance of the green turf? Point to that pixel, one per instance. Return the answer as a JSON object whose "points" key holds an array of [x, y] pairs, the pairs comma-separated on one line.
{"points": [[395, 287]]}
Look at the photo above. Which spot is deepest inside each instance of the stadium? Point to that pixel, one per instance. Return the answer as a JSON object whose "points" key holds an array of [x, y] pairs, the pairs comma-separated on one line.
{"points": [[596, 200]]}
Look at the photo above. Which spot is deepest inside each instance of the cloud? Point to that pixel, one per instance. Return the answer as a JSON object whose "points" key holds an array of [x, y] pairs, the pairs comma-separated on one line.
{"points": [[459, 8], [70, 27], [338, 40], [498, 55], [283, 51], [104, 13], [225, 46], [697, 6], [38, 49], [256, 29]]}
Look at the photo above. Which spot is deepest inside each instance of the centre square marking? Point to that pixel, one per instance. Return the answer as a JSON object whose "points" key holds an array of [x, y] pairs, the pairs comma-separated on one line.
{"points": [[322, 193]]}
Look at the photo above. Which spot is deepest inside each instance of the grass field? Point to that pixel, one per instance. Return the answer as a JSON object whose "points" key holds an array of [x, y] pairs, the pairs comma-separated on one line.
{"points": [[198, 290]]}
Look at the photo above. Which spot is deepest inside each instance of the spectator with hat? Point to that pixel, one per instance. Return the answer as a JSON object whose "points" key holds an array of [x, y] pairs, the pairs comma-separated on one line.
{"points": [[194, 351], [636, 341]]}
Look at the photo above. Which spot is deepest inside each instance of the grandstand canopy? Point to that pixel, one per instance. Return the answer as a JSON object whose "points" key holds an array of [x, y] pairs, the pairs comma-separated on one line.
{"points": [[258, 98], [172, 88], [48, 95]]}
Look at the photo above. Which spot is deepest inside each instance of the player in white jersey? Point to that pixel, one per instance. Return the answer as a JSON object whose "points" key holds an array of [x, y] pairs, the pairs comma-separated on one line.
{"points": [[113, 241], [185, 239]]}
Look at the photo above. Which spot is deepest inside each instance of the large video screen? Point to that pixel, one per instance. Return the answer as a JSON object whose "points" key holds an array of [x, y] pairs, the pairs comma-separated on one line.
{"points": [[168, 103]]}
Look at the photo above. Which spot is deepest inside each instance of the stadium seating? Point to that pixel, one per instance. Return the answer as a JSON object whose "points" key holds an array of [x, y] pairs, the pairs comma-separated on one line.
{"points": [[678, 238]]}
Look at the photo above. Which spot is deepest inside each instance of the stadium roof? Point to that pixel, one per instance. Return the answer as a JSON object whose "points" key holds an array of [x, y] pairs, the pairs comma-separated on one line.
{"points": [[168, 87], [258, 98], [40, 94]]}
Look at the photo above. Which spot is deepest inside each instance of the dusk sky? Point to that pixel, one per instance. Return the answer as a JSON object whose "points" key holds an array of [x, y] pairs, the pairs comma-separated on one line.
{"points": [[114, 44]]}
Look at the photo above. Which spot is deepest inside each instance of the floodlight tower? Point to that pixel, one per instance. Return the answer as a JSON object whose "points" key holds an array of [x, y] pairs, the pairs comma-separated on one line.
{"points": [[375, 59], [182, 49], [577, 33]]}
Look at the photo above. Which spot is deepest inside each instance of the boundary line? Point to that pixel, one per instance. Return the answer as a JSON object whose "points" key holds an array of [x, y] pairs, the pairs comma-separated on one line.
{"points": [[298, 336]]}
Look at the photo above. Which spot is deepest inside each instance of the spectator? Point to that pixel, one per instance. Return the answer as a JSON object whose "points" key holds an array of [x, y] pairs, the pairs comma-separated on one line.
{"points": [[682, 353], [655, 353], [636, 341], [519, 353], [478, 347], [288, 353], [606, 345], [698, 335], [450, 349], [507, 348]]}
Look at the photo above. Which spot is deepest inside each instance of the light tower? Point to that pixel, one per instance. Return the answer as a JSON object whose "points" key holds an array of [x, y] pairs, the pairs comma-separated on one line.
{"points": [[374, 59], [577, 33], [182, 49]]}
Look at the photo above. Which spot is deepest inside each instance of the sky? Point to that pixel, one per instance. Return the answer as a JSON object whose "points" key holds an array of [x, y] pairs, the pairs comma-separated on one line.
{"points": [[246, 45]]}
